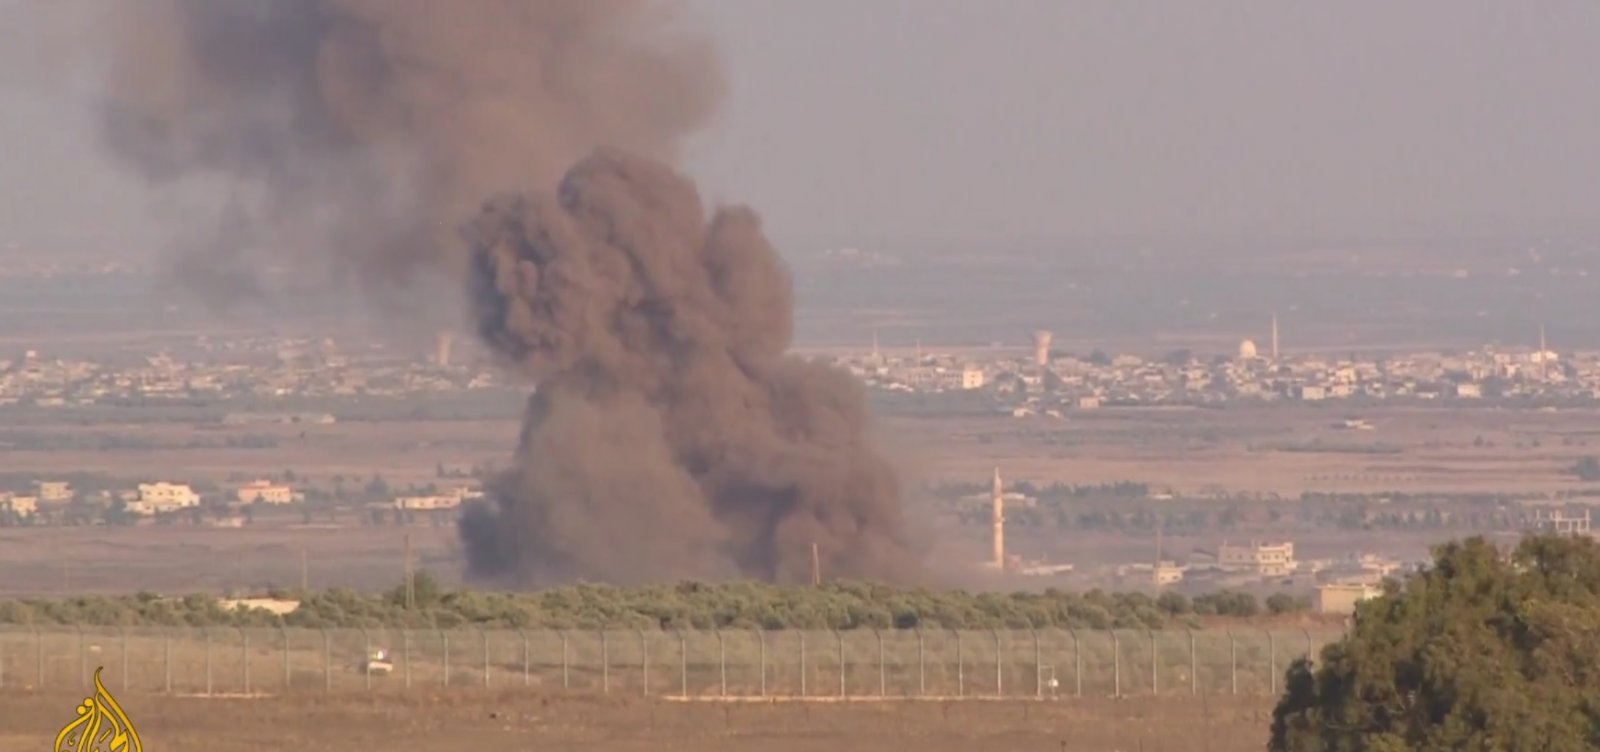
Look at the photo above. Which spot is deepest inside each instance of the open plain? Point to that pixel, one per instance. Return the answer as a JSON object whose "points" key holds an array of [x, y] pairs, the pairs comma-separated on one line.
{"points": [[1251, 459], [526, 721]]}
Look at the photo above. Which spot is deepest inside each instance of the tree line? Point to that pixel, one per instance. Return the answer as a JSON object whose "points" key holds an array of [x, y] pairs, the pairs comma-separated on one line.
{"points": [[688, 605]]}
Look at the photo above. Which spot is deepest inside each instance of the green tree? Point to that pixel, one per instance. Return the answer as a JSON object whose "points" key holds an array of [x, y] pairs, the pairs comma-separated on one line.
{"points": [[1479, 652]]}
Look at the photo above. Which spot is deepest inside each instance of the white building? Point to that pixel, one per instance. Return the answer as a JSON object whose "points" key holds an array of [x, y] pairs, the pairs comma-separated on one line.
{"points": [[23, 507], [55, 491], [265, 492], [1263, 559], [1342, 597], [448, 500], [157, 498], [1166, 573]]}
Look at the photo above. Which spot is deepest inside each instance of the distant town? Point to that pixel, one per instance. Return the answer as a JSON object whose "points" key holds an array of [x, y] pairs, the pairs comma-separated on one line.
{"points": [[1045, 382], [1049, 382]]}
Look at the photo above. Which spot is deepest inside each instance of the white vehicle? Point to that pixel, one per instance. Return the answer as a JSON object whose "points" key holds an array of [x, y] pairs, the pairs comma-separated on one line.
{"points": [[377, 663]]}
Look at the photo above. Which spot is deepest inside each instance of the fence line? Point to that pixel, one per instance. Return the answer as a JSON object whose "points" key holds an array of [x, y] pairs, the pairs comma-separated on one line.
{"points": [[845, 664]]}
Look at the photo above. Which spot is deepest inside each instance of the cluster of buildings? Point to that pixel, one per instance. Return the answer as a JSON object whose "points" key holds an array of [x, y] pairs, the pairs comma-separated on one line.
{"points": [[49, 501], [267, 368], [1048, 383], [1338, 584]]}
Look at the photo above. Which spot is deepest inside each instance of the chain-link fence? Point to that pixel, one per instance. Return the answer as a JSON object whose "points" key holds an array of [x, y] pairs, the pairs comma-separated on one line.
{"points": [[860, 664]]}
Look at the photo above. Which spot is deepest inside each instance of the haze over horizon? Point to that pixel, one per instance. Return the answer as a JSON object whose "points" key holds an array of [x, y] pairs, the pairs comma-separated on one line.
{"points": [[948, 121]]}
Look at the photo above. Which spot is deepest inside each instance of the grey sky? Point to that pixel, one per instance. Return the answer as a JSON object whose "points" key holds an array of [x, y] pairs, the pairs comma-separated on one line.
{"points": [[960, 119]]}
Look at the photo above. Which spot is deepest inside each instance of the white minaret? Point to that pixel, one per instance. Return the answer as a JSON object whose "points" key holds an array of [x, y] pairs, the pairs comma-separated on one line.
{"points": [[999, 502], [1274, 336], [1544, 359]]}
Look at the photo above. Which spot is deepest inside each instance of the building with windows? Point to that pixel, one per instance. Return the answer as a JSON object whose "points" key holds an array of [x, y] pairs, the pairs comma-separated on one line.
{"points": [[1262, 559], [265, 492], [162, 497]]}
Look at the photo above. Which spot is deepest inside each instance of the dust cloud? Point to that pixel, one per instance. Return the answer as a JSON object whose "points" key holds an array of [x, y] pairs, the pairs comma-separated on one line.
{"points": [[670, 434]]}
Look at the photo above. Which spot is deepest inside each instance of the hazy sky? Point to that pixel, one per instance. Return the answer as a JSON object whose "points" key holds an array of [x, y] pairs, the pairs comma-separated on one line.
{"points": [[1046, 118]]}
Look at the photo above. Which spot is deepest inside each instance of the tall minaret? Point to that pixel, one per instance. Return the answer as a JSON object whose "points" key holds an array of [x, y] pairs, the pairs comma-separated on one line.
{"points": [[1274, 336], [999, 500], [1544, 361]]}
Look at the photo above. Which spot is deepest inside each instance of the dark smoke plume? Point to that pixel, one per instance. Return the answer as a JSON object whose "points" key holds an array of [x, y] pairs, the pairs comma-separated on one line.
{"points": [[353, 135], [671, 435]]}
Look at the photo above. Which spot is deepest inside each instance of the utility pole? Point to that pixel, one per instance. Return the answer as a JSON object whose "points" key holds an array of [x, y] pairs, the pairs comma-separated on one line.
{"points": [[305, 573], [411, 580], [816, 566]]}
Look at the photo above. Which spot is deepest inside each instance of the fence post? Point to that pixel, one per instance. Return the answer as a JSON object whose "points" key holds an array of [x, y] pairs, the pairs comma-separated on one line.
{"points": [[484, 635], [526, 673], [1272, 664], [961, 670], [644, 662], [287, 654], [445, 637], [999, 687], [244, 658], [1155, 679], [683, 664], [1077, 664], [123, 631], [761, 641], [1194, 666], [1233, 664], [206, 632], [922, 673], [883, 688], [802, 634], [366, 661], [166, 641], [327, 661], [722, 664], [1116, 665], [566, 674], [1038, 666], [839, 636], [605, 664]]}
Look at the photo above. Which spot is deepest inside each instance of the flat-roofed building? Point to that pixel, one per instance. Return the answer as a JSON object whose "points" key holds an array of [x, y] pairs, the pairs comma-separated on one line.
{"points": [[265, 492], [1342, 597], [1264, 559]]}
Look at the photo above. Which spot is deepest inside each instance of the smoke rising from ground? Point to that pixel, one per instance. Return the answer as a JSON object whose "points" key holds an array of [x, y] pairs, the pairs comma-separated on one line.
{"points": [[351, 136], [671, 435]]}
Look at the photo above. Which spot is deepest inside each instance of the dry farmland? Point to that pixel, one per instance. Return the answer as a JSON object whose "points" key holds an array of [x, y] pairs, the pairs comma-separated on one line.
{"points": [[519, 720]]}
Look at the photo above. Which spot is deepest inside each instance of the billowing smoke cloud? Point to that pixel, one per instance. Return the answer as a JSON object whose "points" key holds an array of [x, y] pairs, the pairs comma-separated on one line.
{"points": [[671, 435], [351, 136]]}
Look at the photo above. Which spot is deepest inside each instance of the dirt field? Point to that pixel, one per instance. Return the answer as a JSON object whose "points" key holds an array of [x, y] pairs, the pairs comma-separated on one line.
{"points": [[1282, 449], [186, 559], [1279, 449], [522, 721]]}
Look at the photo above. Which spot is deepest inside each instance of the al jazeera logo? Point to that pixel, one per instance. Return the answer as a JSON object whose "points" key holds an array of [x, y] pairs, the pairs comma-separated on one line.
{"points": [[101, 726]]}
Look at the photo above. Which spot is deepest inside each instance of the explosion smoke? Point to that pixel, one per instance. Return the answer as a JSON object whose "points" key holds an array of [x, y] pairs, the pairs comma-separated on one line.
{"points": [[670, 434], [353, 135]]}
